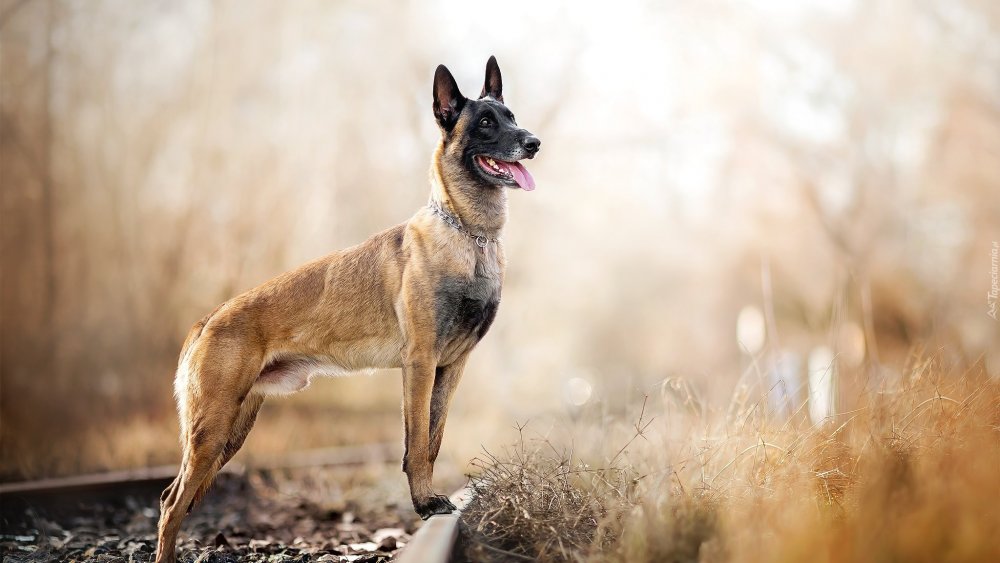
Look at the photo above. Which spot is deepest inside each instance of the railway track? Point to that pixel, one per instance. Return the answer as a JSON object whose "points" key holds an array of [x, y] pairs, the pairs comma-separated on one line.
{"points": [[41, 520], [435, 541]]}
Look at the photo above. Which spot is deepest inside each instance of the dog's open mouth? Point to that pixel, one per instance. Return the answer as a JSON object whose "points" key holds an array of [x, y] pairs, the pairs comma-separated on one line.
{"points": [[510, 171]]}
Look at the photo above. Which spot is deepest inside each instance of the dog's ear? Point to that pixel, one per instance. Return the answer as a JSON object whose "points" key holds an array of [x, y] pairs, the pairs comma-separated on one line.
{"points": [[493, 86], [448, 100]]}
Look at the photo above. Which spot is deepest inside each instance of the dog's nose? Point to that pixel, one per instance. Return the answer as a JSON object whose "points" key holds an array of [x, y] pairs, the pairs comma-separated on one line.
{"points": [[531, 144]]}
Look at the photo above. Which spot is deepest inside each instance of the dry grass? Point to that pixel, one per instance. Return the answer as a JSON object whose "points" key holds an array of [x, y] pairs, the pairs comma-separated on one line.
{"points": [[908, 474]]}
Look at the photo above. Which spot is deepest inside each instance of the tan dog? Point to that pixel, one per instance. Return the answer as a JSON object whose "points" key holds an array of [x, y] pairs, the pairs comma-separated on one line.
{"points": [[418, 296]]}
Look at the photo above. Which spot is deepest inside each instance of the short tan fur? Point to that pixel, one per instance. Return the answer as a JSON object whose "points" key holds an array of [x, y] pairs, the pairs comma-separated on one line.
{"points": [[418, 296]]}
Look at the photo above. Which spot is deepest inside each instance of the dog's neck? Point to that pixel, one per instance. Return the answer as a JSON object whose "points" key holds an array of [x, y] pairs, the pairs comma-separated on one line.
{"points": [[482, 210]]}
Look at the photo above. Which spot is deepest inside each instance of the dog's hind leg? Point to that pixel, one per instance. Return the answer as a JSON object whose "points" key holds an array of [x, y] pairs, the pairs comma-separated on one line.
{"points": [[216, 402], [241, 428], [244, 422]]}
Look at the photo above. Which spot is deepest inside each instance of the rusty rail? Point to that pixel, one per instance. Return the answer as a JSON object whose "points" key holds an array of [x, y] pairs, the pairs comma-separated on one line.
{"points": [[163, 474], [435, 540]]}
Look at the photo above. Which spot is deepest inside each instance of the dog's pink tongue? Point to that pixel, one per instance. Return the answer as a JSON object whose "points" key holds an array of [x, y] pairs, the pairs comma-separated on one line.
{"points": [[521, 176]]}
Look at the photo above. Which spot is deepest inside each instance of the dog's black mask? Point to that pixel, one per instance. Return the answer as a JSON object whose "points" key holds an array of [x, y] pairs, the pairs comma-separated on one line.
{"points": [[491, 142]]}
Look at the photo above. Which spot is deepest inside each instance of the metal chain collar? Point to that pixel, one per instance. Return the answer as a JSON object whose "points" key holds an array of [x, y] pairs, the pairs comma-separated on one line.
{"points": [[481, 240]]}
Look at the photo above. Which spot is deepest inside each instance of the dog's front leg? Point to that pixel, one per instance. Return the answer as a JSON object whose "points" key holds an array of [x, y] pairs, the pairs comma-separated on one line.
{"points": [[418, 385], [445, 383]]}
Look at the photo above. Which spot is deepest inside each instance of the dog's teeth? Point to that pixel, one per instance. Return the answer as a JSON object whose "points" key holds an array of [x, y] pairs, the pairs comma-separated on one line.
{"points": [[492, 162]]}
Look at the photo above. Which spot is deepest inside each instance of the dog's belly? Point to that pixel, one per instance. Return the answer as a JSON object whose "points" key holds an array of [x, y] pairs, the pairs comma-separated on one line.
{"points": [[289, 372]]}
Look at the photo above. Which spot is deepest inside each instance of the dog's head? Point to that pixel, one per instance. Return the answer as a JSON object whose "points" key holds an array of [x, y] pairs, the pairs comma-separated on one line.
{"points": [[481, 135]]}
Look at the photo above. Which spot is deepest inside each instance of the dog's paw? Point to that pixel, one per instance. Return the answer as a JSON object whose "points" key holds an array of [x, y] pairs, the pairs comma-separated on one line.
{"points": [[435, 504]]}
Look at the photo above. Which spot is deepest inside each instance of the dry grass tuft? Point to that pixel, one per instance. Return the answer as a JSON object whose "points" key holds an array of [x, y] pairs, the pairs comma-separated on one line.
{"points": [[910, 473], [541, 504]]}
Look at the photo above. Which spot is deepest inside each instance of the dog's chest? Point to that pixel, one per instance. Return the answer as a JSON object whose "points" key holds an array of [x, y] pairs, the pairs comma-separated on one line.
{"points": [[465, 306]]}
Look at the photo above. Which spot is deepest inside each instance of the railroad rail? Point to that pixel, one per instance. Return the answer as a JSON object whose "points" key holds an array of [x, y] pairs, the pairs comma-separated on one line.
{"points": [[434, 542], [163, 474]]}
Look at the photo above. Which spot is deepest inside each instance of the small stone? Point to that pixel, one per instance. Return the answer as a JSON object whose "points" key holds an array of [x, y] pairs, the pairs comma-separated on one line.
{"points": [[388, 543], [221, 541], [332, 514], [257, 545], [363, 547], [382, 533]]}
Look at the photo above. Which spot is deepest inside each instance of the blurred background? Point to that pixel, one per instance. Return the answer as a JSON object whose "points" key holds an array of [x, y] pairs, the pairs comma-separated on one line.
{"points": [[788, 187]]}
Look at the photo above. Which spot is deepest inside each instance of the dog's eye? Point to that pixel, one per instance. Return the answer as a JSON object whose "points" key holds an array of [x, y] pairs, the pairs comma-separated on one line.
{"points": [[485, 122]]}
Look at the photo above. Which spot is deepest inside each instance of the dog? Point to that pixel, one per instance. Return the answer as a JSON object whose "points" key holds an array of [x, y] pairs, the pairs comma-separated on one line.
{"points": [[418, 296]]}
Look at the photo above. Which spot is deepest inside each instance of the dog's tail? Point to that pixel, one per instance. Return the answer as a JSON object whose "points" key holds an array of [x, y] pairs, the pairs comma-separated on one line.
{"points": [[183, 374]]}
